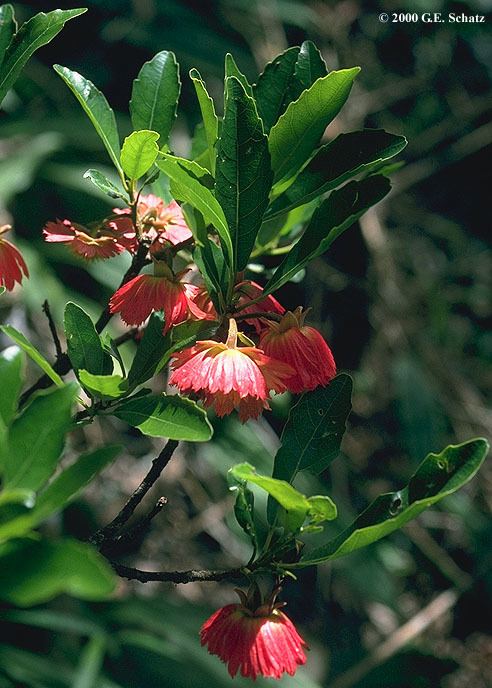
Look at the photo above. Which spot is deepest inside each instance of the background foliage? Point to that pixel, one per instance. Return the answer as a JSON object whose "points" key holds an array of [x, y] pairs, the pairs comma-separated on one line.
{"points": [[403, 300]]}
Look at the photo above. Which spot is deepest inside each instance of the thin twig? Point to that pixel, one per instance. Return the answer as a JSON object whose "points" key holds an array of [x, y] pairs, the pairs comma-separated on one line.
{"points": [[190, 576], [140, 528], [158, 464], [52, 326]]}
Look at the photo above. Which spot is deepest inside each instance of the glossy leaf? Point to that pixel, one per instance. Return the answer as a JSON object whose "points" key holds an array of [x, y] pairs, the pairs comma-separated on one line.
{"points": [[84, 345], [32, 352], [298, 131], [336, 214], [438, 475], [7, 29], [284, 79], [104, 386], [309, 67], [231, 69], [343, 158], [166, 416], [313, 433], [295, 504], [105, 185], [150, 351], [36, 32], [155, 95], [187, 188], [11, 380], [210, 119], [243, 176], [32, 572], [37, 437], [97, 108], [139, 152]]}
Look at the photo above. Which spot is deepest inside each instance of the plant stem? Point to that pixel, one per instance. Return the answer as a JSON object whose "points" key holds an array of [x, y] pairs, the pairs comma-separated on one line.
{"points": [[109, 531]]}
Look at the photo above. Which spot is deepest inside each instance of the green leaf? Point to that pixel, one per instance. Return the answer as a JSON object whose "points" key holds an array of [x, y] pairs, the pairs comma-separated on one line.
{"points": [[88, 674], [104, 386], [210, 119], [7, 29], [155, 95], [37, 437], [302, 125], [187, 188], [244, 512], [26, 498], [313, 433], [150, 352], [105, 185], [343, 158], [32, 352], [59, 493], [139, 153], [244, 177], [438, 475], [231, 69], [321, 509], [293, 502], [284, 79], [166, 416], [84, 345], [336, 214], [209, 259], [35, 33], [33, 572], [11, 380], [97, 108], [68, 484], [309, 67]]}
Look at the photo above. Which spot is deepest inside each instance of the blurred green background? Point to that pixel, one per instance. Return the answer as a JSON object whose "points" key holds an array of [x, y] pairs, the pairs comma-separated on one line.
{"points": [[403, 299]]}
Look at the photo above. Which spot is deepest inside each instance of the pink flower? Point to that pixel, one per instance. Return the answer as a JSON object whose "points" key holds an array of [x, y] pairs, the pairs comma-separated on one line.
{"points": [[303, 348], [12, 264], [249, 291], [160, 223], [80, 242], [142, 295], [264, 642], [229, 377]]}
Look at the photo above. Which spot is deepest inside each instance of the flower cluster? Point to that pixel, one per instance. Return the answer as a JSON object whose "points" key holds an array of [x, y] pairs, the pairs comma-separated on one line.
{"points": [[236, 374]]}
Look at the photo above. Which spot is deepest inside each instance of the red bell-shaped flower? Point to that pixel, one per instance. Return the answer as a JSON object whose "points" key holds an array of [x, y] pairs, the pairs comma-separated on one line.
{"points": [[263, 642], [303, 348]]}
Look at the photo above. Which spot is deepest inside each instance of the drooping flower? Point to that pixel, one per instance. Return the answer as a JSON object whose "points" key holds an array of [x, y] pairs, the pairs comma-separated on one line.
{"points": [[249, 291], [12, 264], [227, 376], [164, 290], [303, 348], [263, 642], [201, 299], [80, 241]]}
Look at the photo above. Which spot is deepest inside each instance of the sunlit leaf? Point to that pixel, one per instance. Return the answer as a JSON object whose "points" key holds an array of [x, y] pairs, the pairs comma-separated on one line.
{"points": [[438, 475], [298, 131], [97, 108], [139, 152], [35, 33], [32, 352], [166, 416], [155, 95]]}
